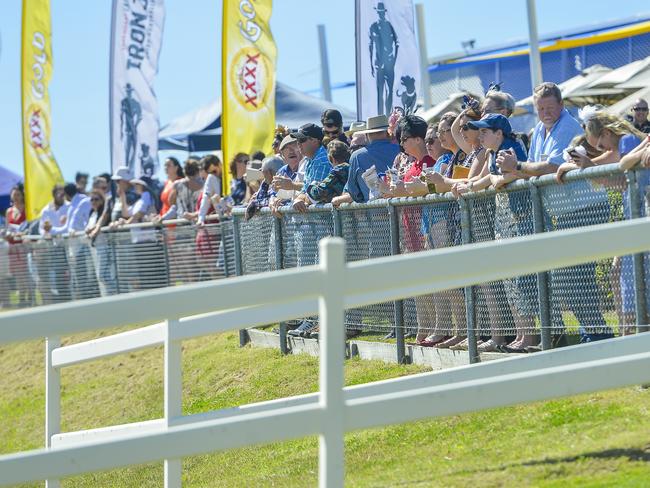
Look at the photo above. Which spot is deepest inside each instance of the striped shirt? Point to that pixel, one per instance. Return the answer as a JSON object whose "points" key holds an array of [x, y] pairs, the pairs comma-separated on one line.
{"points": [[317, 168]]}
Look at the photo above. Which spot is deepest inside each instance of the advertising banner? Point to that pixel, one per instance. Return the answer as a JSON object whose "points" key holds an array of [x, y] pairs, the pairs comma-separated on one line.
{"points": [[388, 67], [248, 80], [136, 38], [41, 170]]}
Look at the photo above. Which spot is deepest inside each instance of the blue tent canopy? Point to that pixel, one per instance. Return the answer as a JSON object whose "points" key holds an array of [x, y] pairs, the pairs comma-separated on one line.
{"points": [[200, 130]]}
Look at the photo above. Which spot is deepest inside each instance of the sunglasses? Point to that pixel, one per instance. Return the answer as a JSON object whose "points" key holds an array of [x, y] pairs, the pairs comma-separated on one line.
{"points": [[95, 199], [640, 109], [332, 132]]}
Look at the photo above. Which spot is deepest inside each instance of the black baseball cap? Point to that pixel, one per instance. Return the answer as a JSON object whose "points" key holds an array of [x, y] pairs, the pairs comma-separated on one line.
{"points": [[333, 117], [308, 130]]}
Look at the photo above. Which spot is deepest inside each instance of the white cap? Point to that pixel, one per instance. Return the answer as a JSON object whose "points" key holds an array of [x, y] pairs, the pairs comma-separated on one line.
{"points": [[122, 173]]}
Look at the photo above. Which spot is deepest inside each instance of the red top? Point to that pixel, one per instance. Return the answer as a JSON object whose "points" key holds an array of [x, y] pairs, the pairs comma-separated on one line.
{"points": [[416, 168], [15, 217], [164, 197]]}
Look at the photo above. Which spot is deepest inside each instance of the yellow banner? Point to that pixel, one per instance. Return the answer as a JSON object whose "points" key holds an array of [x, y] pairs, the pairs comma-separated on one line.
{"points": [[247, 80], [41, 169]]}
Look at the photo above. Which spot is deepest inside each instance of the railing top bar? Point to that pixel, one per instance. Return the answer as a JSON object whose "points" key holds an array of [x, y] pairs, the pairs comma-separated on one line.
{"points": [[539, 181], [210, 220], [160, 304]]}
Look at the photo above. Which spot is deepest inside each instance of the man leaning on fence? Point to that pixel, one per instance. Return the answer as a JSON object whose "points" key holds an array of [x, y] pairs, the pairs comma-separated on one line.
{"points": [[286, 181], [380, 153], [576, 205], [317, 167]]}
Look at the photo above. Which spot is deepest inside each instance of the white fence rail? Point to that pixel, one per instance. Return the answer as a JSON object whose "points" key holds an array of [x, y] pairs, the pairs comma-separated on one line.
{"points": [[207, 308]]}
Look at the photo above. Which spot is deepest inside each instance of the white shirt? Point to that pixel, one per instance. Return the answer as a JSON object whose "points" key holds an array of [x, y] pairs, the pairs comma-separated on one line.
{"points": [[143, 205], [55, 216], [211, 187], [77, 218]]}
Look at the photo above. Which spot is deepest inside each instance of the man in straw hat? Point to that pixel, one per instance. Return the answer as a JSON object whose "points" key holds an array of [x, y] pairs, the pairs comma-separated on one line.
{"points": [[380, 153]]}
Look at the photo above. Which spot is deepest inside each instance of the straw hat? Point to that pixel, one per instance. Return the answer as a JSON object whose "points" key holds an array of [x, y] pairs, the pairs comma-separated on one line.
{"points": [[379, 123]]}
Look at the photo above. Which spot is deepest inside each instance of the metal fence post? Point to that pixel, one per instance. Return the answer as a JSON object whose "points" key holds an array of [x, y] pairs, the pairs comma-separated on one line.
{"points": [[111, 243], [279, 264], [224, 248], [640, 306], [52, 400], [239, 269], [543, 291], [399, 304], [470, 297], [163, 235], [338, 223]]}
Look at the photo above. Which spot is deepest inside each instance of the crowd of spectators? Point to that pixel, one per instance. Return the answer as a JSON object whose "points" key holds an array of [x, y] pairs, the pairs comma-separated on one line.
{"points": [[383, 157]]}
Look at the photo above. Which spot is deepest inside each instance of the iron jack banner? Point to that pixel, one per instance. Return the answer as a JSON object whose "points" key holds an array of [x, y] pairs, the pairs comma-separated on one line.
{"points": [[388, 68], [136, 38], [41, 170], [248, 79]]}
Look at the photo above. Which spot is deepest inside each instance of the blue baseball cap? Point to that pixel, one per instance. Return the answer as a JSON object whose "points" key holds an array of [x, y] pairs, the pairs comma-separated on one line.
{"points": [[494, 122]]}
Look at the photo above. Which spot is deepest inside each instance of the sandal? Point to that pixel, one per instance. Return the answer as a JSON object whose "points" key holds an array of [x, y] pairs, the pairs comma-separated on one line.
{"points": [[461, 346], [455, 340], [488, 346]]}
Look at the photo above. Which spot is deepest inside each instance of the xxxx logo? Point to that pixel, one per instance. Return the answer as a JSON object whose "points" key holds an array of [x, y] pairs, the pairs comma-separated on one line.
{"points": [[250, 79], [37, 129]]}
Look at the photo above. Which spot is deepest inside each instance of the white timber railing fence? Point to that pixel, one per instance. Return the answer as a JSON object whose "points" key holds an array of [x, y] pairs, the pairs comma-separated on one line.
{"points": [[327, 290]]}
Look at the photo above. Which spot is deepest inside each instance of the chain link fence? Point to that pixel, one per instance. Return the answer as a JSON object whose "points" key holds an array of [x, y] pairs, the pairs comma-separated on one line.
{"points": [[593, 300], [43, 271]]}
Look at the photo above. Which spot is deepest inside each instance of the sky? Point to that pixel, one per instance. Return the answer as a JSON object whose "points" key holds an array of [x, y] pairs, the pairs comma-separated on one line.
{"points": [[190, 65]]}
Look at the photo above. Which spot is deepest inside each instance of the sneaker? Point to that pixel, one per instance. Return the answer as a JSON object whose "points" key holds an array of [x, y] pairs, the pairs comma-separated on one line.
{"points": [[304, 328], [390, 335]]}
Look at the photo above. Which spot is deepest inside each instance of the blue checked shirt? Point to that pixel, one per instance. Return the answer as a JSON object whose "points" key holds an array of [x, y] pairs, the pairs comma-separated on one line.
{"points": [[317, 168]]}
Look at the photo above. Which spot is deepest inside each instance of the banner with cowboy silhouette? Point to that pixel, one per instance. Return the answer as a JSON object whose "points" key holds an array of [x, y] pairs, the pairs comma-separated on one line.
{"points": [[136, 38], [388, 68], [247, 80], [41, 170]]}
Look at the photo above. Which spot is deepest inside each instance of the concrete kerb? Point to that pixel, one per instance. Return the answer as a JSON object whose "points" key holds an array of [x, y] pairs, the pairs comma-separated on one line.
{"points": [[368, 350]]}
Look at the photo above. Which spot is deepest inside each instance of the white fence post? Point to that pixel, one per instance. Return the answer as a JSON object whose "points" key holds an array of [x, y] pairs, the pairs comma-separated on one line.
{"points": [[173, 397], [332, 329], [52, 399]]}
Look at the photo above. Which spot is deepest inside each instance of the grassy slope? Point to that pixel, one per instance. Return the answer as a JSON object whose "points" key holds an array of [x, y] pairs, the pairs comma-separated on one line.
{"points": [[595, 440]]}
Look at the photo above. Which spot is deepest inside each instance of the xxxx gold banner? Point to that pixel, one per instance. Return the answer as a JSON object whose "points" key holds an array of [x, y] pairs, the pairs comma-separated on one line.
{"points": [[248, 80], [41, 170]]}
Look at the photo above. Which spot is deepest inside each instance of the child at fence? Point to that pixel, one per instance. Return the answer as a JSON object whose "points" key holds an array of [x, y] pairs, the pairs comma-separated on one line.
{"points": [[512, 217]]}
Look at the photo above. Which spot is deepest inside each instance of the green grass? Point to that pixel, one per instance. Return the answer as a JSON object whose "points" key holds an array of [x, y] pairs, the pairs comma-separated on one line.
{"points": [[593, 440]]}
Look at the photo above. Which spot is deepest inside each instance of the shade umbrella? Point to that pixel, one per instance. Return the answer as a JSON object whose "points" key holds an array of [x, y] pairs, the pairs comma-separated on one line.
{"points": [[622, 107], [610, 88]]}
